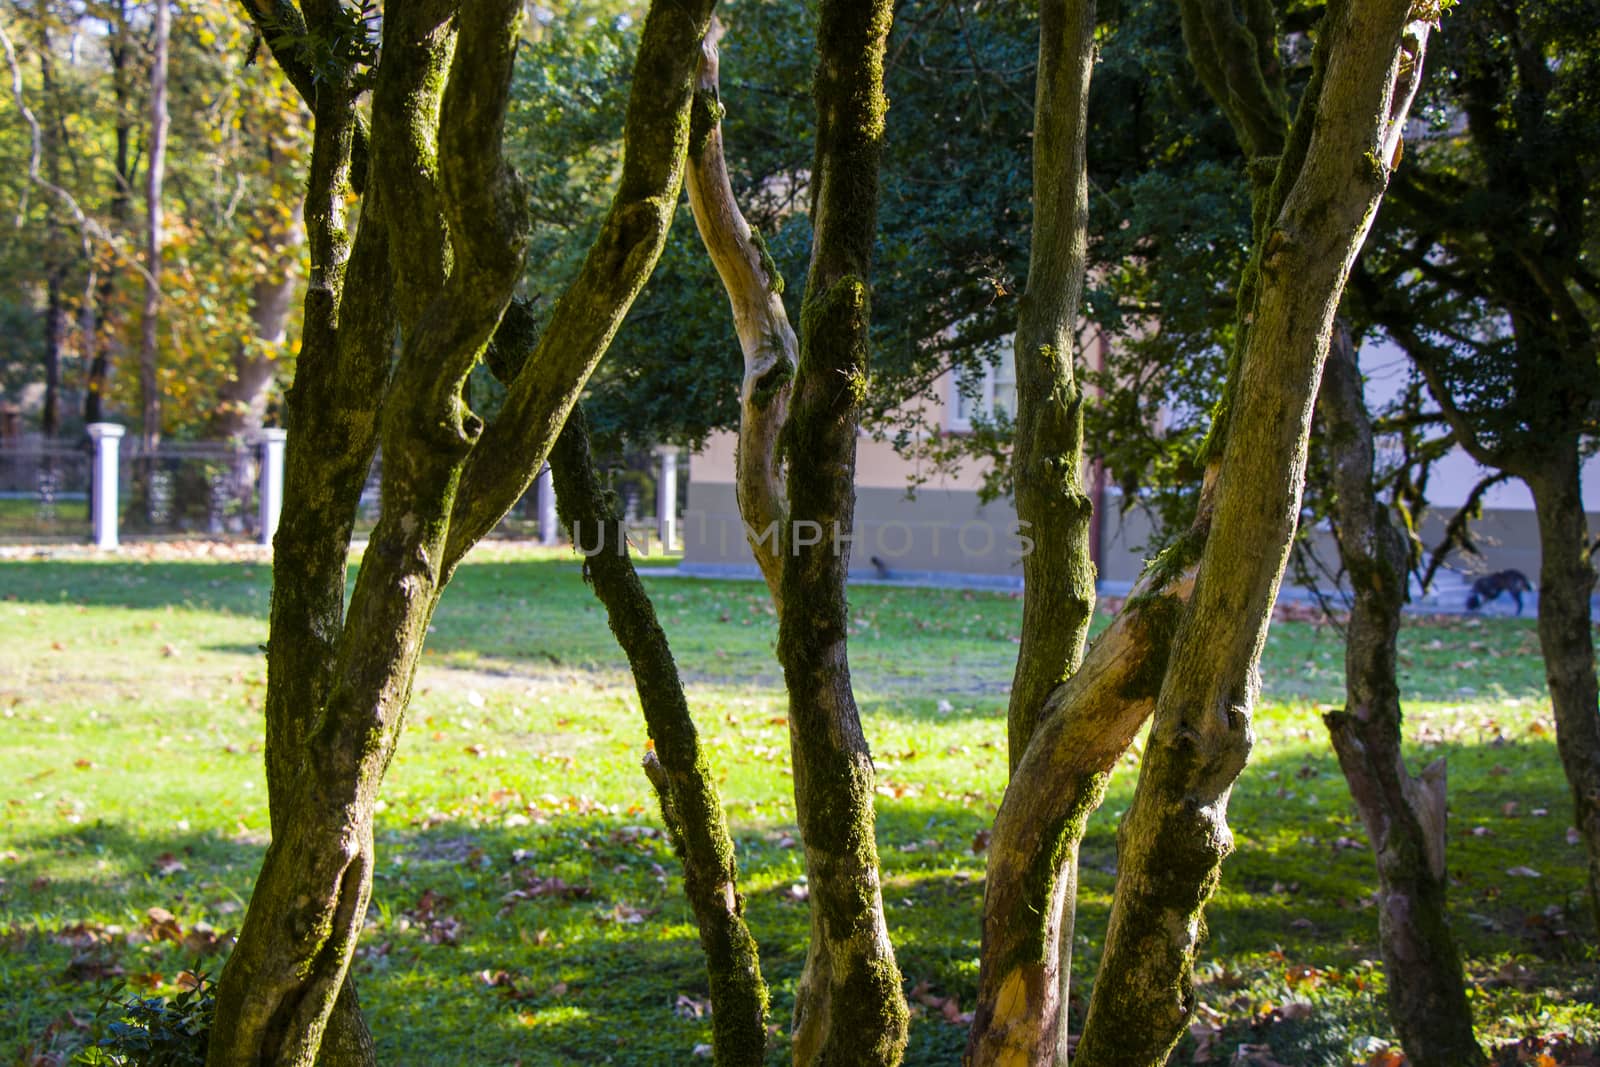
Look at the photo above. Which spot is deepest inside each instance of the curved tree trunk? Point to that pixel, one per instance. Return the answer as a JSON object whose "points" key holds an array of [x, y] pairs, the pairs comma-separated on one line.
{"points": [[1174, 837], [326, 758], [1404, 816], [1566, 580], [766, 338], [443, 268], [677, 766], [1087, 725]]}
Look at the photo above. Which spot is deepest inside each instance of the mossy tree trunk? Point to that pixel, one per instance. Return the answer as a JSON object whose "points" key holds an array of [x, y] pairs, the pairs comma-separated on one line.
{"points": [[1566, 582], [849, 1007], [439, 250], [1187, 645], [1404, 815], [677, 765], [1035, 940], [1327, 185], [1086, 726], [805, 406]]}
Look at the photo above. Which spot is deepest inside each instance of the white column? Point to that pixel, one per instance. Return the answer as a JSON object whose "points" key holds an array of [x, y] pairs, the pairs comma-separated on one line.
{"points": [[545, 498], [667, 497], [107, 437], [271, 441]]}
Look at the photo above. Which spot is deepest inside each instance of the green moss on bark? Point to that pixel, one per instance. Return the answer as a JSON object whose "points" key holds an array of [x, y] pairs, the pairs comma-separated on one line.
{"points": [[685, 783]]}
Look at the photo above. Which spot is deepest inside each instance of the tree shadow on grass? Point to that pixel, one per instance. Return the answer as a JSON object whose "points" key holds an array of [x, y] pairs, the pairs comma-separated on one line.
{"points": [[529, 617], [561, 936]]}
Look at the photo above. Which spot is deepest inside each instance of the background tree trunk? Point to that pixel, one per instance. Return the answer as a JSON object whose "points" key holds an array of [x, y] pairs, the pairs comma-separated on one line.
{"points": [[56, 322], [1404, 816], [56, 318], [155, 174], [100, 341], [242, 400], [1566, 581]]}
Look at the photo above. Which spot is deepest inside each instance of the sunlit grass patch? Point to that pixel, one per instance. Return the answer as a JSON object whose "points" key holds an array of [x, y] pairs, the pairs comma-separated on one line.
{"points": [[527, 906]]}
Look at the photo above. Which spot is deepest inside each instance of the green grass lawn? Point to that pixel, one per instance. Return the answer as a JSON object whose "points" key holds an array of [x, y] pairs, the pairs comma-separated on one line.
{"points": [[527, 909]]}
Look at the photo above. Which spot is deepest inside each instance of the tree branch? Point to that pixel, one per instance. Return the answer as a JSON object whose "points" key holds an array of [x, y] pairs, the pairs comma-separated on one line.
{"points": [[1458, 531], [766, 338], [284, 28], [586, 317]]}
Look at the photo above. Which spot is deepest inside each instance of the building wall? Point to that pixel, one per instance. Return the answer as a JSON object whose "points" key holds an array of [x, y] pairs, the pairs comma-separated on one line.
{"points": [[945, 531], [942, 529]]}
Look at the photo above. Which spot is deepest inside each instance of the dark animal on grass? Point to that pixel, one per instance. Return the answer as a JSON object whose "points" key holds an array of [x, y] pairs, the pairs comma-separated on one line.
{"points": [[1490, 586]]}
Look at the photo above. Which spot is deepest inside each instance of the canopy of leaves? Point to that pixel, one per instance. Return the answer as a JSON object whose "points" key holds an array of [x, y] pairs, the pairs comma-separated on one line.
{"points": [[954, 205], [238, 141], [1483, 263]]}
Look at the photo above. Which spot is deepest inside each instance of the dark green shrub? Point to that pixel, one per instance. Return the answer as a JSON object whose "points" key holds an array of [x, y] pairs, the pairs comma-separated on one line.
{"points": [[154, 1031]]}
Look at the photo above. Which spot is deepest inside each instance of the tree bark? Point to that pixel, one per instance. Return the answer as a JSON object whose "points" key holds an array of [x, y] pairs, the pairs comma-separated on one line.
{"points": [[155, 173], [1087, 724], [1172, 841], [56, 319], [242, 399], [767, 340], [1404, 815], [326, 757], [1058, 575], [55, 333], [676, 765], [1566, 581], [849, 1007], [338, 686]]}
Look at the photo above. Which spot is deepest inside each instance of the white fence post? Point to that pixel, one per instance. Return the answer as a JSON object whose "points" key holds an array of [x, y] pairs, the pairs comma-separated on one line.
{"points": [[107, 437], [667, 497], [271, 441], [545, 498]]}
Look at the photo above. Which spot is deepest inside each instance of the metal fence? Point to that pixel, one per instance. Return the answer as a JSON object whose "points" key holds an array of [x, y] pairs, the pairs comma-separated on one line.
{"points": [[521, 523], [208, 489], [44, 492], [111, 486]]}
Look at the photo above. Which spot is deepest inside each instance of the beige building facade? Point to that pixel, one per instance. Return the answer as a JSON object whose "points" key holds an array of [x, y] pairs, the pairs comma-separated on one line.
{"points": [[943, 532]]}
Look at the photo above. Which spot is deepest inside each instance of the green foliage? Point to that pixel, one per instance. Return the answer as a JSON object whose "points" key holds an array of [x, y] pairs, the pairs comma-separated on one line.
{"points": [[1482, 263], [156, 1031], [953, 210], [1170, 235], [349, 42]]}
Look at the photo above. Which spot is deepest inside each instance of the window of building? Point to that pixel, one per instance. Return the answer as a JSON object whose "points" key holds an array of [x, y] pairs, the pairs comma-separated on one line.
{"points": [[984, 394]]}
